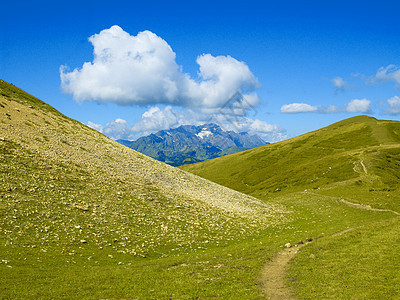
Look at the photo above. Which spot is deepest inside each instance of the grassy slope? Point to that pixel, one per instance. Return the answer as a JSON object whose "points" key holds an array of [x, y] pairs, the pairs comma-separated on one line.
{"points": [[330, 159], [83, 216], [357, 160]]}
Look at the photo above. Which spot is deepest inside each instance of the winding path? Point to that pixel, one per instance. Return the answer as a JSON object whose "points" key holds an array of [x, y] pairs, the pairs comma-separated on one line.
{"points": [[356, 205], [367, 207], [274, 272]]}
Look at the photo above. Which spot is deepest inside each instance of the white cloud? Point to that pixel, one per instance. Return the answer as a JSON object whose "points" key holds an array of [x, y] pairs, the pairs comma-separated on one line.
{"points": [[359, 106], [339, 83], [153, 120], [118, 129], [294, 108], [354, 106], [268, 132], [95, 126], [222, 77], [141, 70], [394, 105], [156, 119], [389, 73]]}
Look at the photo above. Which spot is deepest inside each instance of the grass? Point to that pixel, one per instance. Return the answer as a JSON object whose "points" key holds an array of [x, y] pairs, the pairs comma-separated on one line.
{"points": [[84, 217], [13, 93], [360, 264], [112, 223], [309, 161], [228, 272], [356, 160]]}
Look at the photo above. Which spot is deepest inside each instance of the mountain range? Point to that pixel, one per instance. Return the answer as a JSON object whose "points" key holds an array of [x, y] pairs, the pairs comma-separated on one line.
{"points": [[190, 144]]}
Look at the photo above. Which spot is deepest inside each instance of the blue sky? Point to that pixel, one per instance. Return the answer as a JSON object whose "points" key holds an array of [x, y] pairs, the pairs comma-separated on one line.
{"points": [[300, 65]]}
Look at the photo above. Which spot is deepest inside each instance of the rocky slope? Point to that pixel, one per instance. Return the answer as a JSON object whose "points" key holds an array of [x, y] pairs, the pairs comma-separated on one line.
{"points": [[189, 144], [64, 184]]}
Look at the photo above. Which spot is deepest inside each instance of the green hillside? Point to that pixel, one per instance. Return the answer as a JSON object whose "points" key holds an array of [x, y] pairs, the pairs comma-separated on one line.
{"points": [[81, 213], [356, 163], [82, 216], [359, 153]]}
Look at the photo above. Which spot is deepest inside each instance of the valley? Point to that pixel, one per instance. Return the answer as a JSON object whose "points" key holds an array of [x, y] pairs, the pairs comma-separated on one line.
{"points": [[82, 216]]}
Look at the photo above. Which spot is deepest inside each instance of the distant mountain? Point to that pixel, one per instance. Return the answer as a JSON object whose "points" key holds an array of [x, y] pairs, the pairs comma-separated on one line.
{"points": [[190, 144]]}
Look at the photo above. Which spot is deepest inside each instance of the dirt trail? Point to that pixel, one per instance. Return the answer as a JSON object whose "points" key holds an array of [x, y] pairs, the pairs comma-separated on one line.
{"points": [[364, 168], [274, 272], [362, 165], [356, 205], [367, 207]]}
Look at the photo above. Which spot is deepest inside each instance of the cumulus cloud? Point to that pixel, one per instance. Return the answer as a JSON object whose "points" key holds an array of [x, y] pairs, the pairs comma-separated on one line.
{"points": [[156, 119], [118, 129], [151, 121], [394, 105], [142, 70], [354, 106], [359, 106], [295, 108]]}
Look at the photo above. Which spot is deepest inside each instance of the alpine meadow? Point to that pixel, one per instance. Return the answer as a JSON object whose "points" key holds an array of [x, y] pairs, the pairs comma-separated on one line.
{"points": [[341, 184], [82, 216]]}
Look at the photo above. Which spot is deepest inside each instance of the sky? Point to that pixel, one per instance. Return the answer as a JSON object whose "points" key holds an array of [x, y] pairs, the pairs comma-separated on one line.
{"points": [[278, 69]]}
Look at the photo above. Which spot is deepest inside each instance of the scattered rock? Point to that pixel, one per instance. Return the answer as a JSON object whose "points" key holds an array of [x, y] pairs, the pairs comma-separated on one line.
{"points": [[312, 256], [83, 241], [84, 208], [288, 245]]}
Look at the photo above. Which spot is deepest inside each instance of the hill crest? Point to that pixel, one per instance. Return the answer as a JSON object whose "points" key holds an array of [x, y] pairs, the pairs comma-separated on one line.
{"points": [[327, 158]]}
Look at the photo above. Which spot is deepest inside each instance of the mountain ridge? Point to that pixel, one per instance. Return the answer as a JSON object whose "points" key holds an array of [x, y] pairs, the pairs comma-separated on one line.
{"points": [[189, 143]]}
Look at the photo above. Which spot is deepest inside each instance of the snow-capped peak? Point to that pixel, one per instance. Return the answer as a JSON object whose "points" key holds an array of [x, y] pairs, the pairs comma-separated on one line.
{"points": [[204, 133]]}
